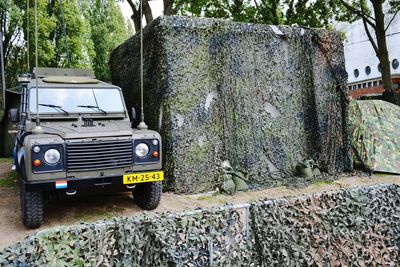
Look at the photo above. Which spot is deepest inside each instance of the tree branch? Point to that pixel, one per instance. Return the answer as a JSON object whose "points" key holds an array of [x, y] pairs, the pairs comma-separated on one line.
{"points": [[147, 11], [137, 20], [371, 39], [390, 22], [360, 13], [133, 7]]}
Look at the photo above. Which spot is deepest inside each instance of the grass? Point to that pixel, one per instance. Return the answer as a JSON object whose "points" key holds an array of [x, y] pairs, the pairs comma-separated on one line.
{"points": [[10, 180], [323, 183], [99, 213], [382, 174], [206, 198], [6, 160]]}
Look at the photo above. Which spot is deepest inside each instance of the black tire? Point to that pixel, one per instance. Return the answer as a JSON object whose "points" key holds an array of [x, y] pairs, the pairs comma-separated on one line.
{"points": [[148, 195], [31, 205]]}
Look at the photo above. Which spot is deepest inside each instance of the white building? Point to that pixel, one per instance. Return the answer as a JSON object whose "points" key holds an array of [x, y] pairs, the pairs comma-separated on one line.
{"points": [[362, 64]]}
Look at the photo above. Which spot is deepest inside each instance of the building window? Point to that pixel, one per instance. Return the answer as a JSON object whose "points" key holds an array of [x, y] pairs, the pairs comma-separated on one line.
{"points": [[359, 86], [350, 87], [379, 67], [375, 83], [369, 84], [354, 87], [364, 85], [395, 63], [368, 70], [380, 82], [356, 73]]}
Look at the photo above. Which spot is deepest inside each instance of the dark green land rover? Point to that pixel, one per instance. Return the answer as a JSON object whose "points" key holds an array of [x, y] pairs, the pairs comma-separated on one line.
{"points": [[74, 131]]}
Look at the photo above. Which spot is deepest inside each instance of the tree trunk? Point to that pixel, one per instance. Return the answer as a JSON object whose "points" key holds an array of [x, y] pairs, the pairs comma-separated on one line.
{"points": [[168, 7], [147, 11], [383, 55]]}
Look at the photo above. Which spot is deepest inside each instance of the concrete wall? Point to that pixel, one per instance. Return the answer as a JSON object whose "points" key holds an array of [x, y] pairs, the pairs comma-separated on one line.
{"points": [[262, 97]]}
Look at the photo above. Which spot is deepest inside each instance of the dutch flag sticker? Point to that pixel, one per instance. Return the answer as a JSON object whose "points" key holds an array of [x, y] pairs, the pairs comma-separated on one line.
{"points": [[61, 184]]}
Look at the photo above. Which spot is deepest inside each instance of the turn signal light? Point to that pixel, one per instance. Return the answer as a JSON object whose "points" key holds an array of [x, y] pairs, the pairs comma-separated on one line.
{"points": [[155, 154], [37, 163]]}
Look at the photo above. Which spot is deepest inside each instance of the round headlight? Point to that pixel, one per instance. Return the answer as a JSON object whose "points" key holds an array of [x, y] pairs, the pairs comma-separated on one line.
{"points": [[52, 156], [142, 150]]}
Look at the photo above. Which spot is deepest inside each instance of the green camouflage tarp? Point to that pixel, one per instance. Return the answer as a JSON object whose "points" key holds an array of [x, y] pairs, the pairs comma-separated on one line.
{"points": [[375, 129]]}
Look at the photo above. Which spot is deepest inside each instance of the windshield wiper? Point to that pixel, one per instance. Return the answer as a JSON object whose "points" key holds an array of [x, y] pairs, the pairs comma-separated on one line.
{"points": [[94, 108], [58, 108]]}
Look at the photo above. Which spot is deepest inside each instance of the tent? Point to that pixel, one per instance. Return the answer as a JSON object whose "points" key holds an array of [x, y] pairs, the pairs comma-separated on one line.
{"points": [[375, 133]]}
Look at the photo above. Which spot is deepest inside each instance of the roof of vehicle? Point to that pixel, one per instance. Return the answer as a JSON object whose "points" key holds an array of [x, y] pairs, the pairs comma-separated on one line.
{"points": [[70, 80], [66, 78], [63, 72], [56, 84]]}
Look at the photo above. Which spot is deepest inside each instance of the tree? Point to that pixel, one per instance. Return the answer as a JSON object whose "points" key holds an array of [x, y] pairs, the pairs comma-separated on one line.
{"points": [[375, 25], [135, 6], [108, 30], [11, 21]]}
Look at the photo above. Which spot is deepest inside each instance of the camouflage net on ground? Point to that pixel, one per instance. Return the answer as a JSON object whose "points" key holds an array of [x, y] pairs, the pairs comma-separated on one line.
{"points": [[352, 227]]}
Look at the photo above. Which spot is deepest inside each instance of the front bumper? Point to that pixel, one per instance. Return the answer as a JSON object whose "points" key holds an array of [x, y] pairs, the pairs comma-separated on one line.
{"points": [[75, 183]]}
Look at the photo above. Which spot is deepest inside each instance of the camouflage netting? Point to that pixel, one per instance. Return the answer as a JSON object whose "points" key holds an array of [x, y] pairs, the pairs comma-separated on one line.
{"points": [[220, 90], [375, 131], [349, 227]]}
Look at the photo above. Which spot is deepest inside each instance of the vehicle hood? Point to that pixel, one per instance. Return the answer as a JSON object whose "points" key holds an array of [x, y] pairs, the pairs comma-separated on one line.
{"points": [[75, 129]]}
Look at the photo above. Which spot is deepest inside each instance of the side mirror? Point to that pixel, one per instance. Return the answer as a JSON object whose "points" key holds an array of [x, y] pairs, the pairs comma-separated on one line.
{"points": [[13, 114], [133, 115]]}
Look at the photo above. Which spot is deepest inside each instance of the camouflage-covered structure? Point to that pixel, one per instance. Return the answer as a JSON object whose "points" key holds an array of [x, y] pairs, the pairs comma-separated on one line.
{"points": [[262, 97], [349, 227], [375, 130]]}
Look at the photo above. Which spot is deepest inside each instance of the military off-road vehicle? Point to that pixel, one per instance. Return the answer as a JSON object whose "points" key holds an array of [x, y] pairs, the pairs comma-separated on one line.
{"points": [[80, 136]]}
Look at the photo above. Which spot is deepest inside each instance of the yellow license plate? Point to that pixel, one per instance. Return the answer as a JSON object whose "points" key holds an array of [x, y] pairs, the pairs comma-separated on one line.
{"points": [[144, 177]]}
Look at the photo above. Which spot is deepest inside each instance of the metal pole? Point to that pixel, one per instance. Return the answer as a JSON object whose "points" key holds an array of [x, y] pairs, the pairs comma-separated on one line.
{"points": [[65, 34], [142, 124], [36, 64], [27, 35], [3, 78], [141, 58]]}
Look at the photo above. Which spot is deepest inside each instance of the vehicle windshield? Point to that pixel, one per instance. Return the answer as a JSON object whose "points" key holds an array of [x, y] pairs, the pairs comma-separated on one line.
{"points": [[76, 100]]}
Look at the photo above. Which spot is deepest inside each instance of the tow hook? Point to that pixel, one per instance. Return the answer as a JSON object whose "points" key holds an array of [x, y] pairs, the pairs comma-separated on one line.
{"points": [[70, 192], [130, 186]]}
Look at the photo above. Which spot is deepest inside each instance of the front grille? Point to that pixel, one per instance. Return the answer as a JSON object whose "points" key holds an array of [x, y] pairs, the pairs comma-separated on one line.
{"points": [[99, 155]]}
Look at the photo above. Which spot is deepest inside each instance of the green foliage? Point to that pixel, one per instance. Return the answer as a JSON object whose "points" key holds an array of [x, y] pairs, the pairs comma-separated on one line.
{"points": [[303, 12], [87, 23], [108, 30], [11, 21]]}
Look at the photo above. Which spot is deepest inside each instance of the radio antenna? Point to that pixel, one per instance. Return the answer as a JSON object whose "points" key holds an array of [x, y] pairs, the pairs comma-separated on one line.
{"points": [[37, 129], [27, 36], [65, 34], [3, 73], [142, 125]]}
